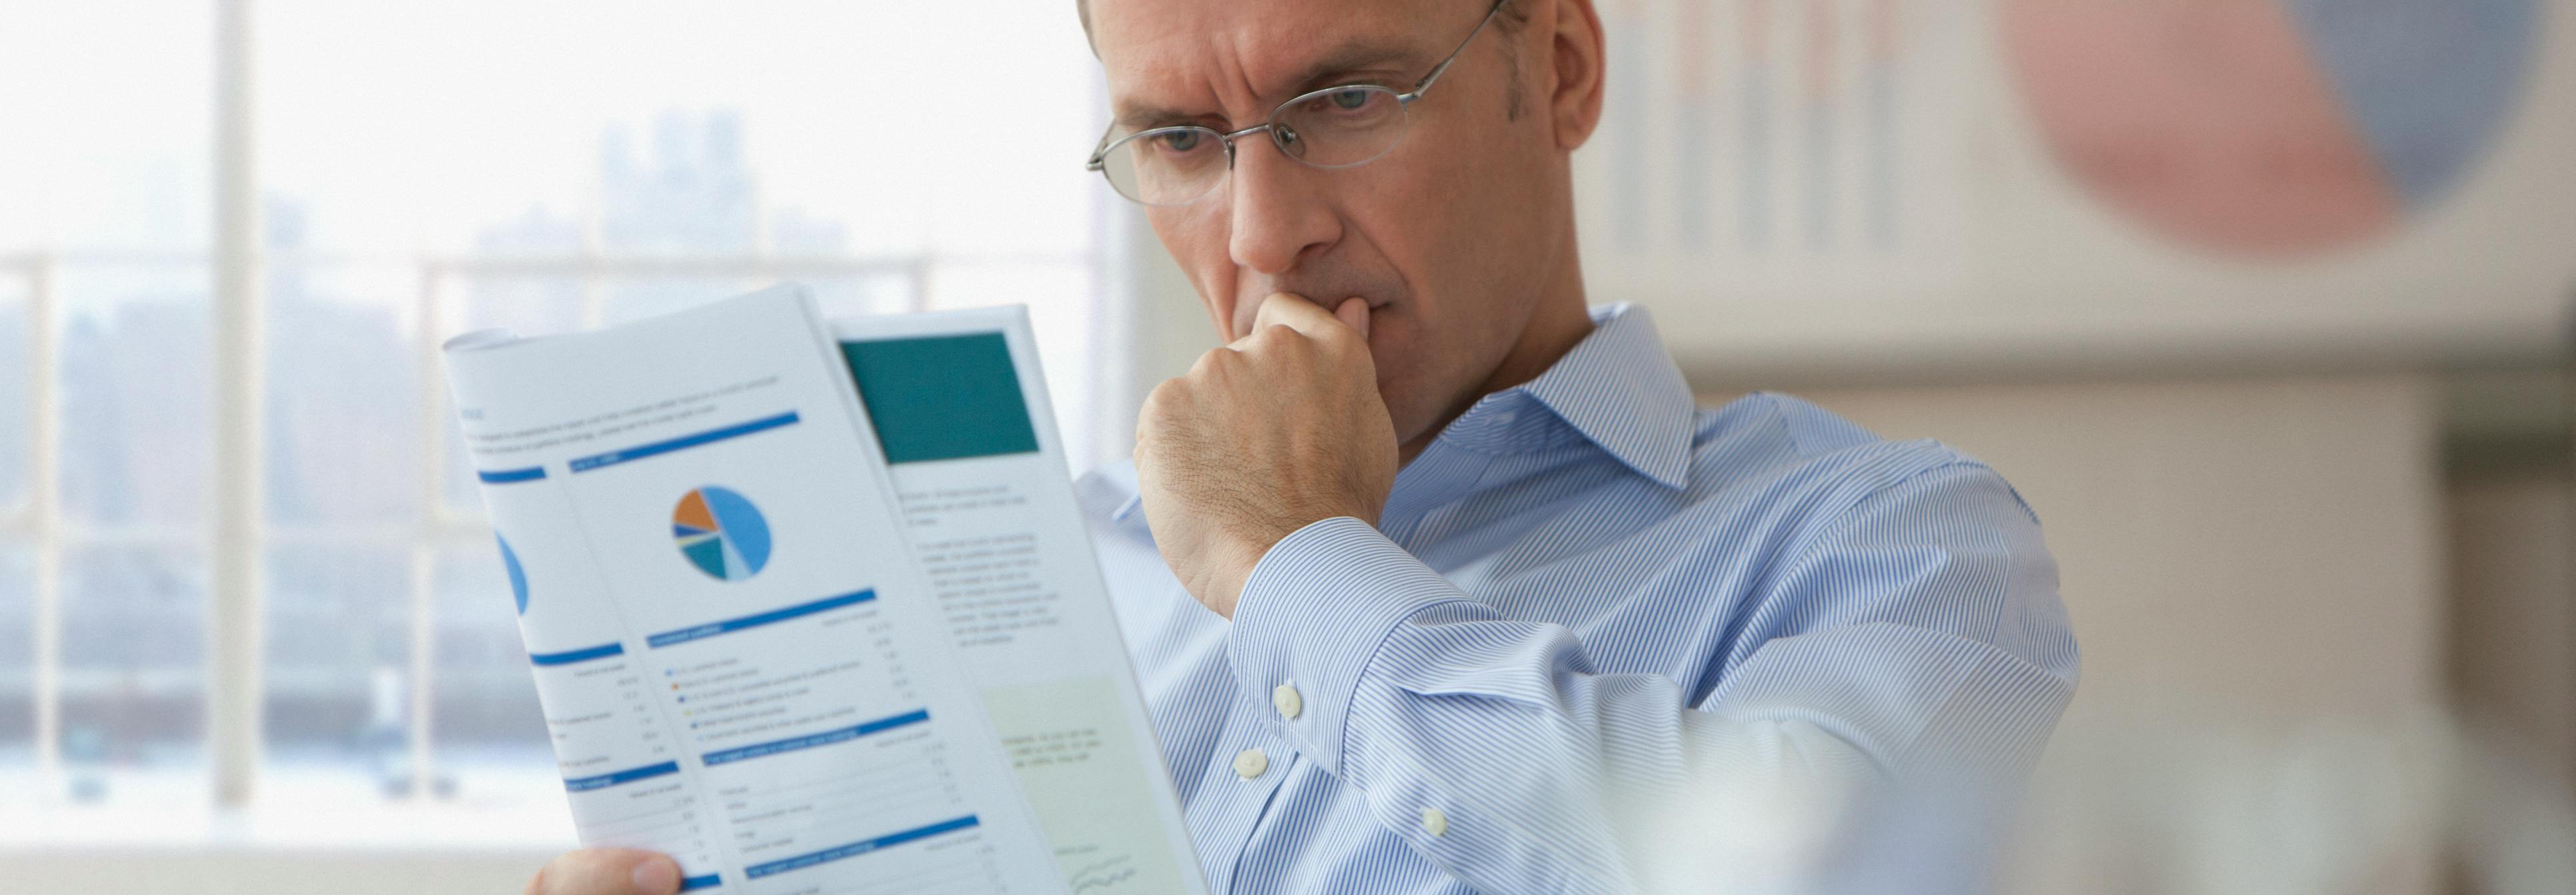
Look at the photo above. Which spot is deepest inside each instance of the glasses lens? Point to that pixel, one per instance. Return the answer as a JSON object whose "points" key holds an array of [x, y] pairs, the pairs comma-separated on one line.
{"points": [[1166, 166], [1340, 126]]}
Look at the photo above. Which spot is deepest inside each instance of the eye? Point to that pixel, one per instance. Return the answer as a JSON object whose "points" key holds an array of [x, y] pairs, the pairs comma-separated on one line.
{"points": [[1350, 99], [1180, 141]]}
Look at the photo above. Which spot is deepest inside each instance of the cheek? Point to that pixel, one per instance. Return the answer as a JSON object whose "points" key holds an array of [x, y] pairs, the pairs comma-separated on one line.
{"points": [[1197, 237], [1407, 355]]}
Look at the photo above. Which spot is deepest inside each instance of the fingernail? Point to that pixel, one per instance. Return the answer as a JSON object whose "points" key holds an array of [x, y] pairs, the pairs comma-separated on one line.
{"points": [[657, 876]]}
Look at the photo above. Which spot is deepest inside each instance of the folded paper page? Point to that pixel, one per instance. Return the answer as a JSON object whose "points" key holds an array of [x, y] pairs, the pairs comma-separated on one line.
{"points": [[743, 657]]}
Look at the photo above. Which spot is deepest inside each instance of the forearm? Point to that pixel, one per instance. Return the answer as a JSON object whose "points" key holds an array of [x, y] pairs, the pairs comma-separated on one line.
{"points": [[1548, 773], [1490, 745]]}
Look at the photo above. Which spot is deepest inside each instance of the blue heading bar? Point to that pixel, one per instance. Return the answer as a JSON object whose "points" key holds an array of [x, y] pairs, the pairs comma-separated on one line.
{"points": [[630, 775], [684, 442], [811, 740], [727, 626], [506, 476], [568, 657], [858, 848]]}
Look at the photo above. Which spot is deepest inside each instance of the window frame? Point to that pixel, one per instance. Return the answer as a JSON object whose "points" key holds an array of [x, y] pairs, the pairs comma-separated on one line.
{"points": [[237, 537]]}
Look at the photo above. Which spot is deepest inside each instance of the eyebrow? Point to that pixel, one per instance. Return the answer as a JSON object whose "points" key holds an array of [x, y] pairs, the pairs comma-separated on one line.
{"points": [[1357, 55]]}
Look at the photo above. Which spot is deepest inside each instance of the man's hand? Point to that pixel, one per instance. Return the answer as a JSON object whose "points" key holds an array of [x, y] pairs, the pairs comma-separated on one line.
{"points": [[1262, 437], [607, 871]]}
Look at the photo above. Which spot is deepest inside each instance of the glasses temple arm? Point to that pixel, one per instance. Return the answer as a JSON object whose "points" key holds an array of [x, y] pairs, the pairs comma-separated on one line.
{"points": [[1100, 150], [1424, 86]]}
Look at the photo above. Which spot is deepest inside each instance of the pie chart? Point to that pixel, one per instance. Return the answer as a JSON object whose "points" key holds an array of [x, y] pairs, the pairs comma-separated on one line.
{"points": [[721, 533], [2270, 127]]}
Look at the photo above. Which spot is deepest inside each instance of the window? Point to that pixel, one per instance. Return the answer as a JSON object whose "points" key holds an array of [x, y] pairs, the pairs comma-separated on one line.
{"points": [[420, 171]]}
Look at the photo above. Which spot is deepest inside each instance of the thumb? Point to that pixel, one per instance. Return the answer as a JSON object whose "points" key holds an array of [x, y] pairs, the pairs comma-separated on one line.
{"points": [[607, 871], [1354, 313]]}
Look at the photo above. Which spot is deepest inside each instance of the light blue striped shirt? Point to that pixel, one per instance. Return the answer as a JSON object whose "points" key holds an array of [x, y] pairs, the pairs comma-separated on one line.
{"points": [[1583, 579]]}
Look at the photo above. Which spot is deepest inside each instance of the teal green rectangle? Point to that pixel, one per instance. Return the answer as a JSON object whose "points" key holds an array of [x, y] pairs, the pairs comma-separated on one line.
{"points": [[942, 397]]}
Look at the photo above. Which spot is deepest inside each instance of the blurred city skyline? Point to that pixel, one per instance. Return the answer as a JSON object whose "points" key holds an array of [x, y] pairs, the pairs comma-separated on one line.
{"points": [[342, 452]]}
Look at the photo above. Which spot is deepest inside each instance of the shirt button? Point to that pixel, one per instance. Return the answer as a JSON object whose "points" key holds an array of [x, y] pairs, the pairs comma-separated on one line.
{"points": [[1434, 822], [1285, 697], [1249, 763]]}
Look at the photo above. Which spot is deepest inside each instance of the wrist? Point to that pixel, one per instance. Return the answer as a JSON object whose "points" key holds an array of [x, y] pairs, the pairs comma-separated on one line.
{"points": [[1316, 614], [1239, 555]]}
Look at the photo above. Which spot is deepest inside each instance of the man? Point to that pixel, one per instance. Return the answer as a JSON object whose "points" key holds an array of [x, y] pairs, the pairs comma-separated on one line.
{"points": [[1435, 580]]}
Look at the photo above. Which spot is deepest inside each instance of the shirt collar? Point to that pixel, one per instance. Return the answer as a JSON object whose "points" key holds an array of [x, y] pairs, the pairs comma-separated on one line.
{"points": [[1622, 391], [1618, 388]]}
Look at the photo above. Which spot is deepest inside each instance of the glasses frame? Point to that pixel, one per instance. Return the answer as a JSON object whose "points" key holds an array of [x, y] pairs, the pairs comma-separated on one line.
{"points": [[1099, 156]]}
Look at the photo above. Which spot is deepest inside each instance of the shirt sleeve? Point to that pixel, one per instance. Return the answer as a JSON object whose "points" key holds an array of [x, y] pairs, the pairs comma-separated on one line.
{"points": [[1923, 618]]}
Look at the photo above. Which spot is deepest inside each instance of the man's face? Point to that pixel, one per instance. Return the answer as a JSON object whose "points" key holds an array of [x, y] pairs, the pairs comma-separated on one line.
{"points": [[1451, 237]]}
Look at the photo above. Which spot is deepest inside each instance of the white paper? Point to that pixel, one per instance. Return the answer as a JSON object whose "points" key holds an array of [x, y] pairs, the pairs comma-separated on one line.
{"points": [[740, 659], [1002, 540]]}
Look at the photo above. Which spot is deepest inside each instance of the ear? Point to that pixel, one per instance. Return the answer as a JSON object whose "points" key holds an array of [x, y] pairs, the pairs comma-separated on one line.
{"points": [[1575, 68]]}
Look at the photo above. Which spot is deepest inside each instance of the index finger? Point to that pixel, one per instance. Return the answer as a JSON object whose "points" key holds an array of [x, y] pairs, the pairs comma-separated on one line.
{"points": [[1296, 312]]}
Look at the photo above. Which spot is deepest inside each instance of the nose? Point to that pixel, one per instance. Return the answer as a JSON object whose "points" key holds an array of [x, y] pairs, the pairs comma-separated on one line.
{"points": [[1279, 214]]}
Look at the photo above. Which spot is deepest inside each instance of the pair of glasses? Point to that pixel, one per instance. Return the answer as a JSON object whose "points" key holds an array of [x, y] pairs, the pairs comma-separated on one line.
{"points": [[1336, 127]]}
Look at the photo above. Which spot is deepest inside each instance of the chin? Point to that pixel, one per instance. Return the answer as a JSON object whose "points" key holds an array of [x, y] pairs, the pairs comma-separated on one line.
{"points": [[1413, 416]]}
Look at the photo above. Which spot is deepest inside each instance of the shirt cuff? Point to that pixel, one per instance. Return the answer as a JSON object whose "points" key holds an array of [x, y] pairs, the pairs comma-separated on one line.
{"points": [[1313, 615]]}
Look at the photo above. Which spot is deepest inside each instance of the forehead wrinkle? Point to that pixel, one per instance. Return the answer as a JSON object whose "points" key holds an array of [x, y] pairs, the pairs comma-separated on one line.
{"points": [[1245, 84], [1172, 69]]}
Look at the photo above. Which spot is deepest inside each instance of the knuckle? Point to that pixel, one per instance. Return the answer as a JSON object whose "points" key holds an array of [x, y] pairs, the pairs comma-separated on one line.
{"points": [[1296, 349], [1281, 337], [1159, 402], [1223, 362], [1209, 361]]}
